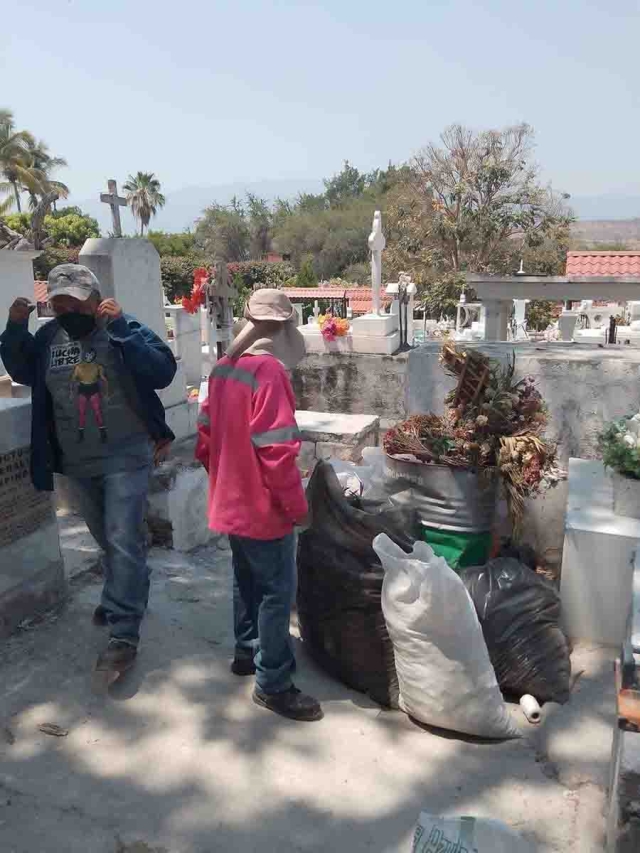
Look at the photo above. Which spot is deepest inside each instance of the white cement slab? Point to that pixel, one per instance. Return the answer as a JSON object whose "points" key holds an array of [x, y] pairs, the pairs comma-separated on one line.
{"points": [[338, 427], [375, 324], [360, 343]]}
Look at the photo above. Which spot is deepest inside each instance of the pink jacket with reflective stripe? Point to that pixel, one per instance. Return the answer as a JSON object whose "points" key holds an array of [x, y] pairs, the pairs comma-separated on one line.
{"points": [[248, 441]]}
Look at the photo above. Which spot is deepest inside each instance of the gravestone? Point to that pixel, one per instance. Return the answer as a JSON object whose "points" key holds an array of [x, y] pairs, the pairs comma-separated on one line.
{"points": [[16, 279], [31, 568], [129, 272]]}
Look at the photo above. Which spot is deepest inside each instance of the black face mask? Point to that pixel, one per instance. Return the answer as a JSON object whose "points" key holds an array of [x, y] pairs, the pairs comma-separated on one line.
{"points": [[77, 325]]}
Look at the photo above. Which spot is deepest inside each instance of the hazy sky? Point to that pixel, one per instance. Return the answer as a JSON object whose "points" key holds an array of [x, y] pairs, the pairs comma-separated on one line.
{"points": [[205, 92]]}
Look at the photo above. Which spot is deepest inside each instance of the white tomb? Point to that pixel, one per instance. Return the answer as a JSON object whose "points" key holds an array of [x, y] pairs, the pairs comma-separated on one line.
{"points": [[497, 292], [598, 556], [129, 271], [376, 332]]}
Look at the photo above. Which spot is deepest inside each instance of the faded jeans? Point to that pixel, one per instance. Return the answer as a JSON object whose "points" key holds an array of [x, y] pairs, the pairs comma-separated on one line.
{"points": [[264, 577], [114, 507]]}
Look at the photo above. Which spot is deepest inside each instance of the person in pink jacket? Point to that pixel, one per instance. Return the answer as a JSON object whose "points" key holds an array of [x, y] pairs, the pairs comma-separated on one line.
{"points": [[248, 441]]}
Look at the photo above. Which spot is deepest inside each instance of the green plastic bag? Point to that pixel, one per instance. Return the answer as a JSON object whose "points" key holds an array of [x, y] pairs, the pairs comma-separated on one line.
{"points": [[460, 550]]}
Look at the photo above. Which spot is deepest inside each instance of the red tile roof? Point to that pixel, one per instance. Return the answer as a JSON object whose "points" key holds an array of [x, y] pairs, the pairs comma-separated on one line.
{"points": [[359, 298], [40, 291], [298, 293], [603, 263]]}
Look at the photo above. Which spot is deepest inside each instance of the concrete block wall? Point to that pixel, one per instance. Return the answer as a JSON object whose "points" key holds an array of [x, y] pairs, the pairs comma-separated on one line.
{"points": [[31, 568]]}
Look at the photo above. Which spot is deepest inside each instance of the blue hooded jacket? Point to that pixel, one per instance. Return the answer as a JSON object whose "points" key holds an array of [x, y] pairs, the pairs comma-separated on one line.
{"points": [[143, 355]]}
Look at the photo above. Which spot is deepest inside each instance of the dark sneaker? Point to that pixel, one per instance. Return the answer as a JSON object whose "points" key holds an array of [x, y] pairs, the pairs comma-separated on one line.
{"points": [[243, 666], [99, 617], [291, 704]]}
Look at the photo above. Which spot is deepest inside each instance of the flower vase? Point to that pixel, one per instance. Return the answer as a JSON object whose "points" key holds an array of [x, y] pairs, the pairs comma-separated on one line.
{"points": [[626, 495]]}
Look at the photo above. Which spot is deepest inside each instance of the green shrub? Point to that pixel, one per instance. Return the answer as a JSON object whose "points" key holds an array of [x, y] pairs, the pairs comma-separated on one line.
{"points": [[51, 257], [261, 272], [177, 274], [620, 448]]}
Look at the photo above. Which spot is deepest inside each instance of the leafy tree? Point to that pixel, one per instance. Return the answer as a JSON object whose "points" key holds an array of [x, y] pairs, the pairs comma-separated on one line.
{"points": [[475, 192], [67, 228], [71, 230], [42, 165], [20, 222], [144, 197], [265, 273], [179, 244], [260, 220], [15, 165], [358, 273], [310, 203], [475, 203], [306, 275], [345, 186], [223, 233]]}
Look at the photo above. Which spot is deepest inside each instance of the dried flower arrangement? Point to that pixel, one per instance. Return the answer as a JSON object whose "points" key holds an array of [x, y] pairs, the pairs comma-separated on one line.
{"points": [[492, 421]]}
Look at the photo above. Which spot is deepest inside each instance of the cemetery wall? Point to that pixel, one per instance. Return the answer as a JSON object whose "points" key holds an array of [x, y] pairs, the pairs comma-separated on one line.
{"points": [[352, 383], [584, 385]]}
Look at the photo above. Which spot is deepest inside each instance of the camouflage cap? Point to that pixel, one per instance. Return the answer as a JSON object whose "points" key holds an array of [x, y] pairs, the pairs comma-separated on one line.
{"points": [[72, 280]]}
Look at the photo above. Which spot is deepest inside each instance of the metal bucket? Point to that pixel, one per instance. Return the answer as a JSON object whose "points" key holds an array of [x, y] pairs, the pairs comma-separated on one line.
{"points": [[446, 498]]}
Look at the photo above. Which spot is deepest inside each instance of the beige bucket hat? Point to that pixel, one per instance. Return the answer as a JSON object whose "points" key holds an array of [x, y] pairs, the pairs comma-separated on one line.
{"points": [[270, 329]]}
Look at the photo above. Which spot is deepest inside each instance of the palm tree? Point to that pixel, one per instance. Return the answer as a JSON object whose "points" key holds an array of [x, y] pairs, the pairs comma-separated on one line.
{"points": [[144, 197], [15, 161], [42, 165]]}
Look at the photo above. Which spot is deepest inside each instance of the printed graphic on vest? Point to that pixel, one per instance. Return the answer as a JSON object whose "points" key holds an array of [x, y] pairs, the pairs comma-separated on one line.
{"points": [[64, 355]]}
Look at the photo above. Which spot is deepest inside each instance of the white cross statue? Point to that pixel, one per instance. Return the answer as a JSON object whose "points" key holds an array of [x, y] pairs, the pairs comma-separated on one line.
{"points": [[115, 202], [316, 310], [377, 243]]}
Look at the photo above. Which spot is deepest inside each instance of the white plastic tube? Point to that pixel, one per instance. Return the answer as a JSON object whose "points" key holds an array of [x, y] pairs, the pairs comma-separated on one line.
{"points": [[531, 709]]}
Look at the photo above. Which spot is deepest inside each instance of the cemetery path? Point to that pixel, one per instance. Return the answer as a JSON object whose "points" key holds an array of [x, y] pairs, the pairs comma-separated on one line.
{"points": [[179, 760]]}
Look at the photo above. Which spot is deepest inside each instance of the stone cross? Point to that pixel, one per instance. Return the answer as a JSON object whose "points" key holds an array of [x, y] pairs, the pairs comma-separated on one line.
{"points": [[316, 310], [377, 243], [115, 202]]}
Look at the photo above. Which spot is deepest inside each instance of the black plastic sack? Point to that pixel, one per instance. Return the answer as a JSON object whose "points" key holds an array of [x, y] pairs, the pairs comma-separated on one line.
{"points": [[520, 616], [340, 583]]}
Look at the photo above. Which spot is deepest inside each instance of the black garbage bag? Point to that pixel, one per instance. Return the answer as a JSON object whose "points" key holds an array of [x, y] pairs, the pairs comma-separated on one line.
{"points": [[340, 583], [520, 616]]}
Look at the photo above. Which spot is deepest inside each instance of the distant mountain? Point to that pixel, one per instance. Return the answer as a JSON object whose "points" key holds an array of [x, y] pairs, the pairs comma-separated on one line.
{"points": [[184, 206], [607, 206], [608, 232]]}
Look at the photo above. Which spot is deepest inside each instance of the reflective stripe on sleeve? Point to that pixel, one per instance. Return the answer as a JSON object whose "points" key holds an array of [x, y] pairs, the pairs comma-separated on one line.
{"points": [[228, 371], [276, 436]]}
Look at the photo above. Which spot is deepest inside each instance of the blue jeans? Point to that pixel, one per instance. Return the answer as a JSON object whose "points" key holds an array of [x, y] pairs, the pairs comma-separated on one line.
{"points": [[263, 588], [114, 507]]}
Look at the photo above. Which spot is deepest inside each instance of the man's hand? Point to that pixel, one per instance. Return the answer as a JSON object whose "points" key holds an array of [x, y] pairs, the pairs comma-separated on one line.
{"points": [[304, 522], [21, 310], [109, 309], [161, 452]]}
